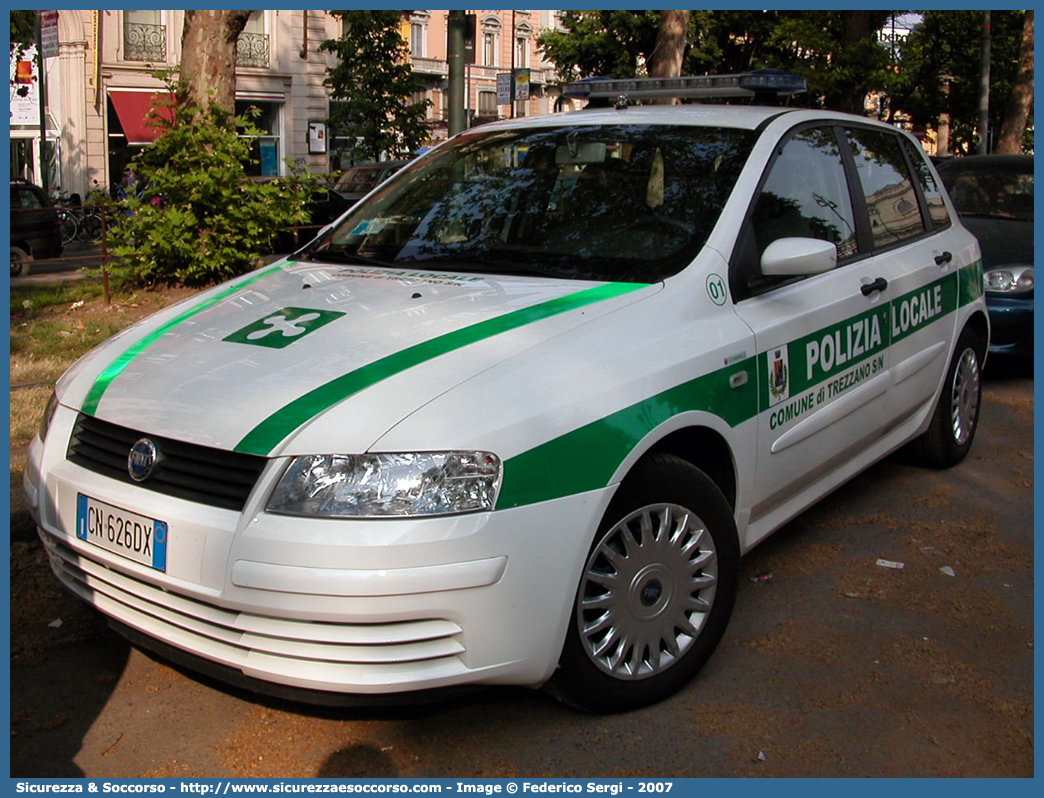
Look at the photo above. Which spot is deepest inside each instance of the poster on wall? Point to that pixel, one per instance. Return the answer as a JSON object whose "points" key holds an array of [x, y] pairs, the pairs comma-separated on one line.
{"points": [[521, 84], [316, 137], [25, 86]]}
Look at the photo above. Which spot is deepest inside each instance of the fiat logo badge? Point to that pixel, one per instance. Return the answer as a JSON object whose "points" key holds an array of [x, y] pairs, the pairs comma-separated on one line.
{"points": [[142, 459]]}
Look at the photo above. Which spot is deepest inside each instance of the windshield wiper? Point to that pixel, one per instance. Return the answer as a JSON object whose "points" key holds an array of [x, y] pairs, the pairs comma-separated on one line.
{"points": [[484, 265], [341, 256]]}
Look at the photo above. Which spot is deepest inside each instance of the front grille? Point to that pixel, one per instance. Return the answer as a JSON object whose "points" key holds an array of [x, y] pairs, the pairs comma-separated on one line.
{"points": [[201, 474], [362, 657]]}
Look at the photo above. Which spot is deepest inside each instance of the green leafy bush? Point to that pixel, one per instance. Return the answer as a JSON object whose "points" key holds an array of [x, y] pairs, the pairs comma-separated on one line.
{"points": [[200, 218]]}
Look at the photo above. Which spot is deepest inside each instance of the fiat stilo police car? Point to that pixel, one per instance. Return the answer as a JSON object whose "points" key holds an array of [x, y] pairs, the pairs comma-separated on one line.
{"points": [[514, 417]]}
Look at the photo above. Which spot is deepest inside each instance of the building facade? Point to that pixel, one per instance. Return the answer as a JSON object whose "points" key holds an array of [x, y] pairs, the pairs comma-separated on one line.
{"points": [[104, 81]]}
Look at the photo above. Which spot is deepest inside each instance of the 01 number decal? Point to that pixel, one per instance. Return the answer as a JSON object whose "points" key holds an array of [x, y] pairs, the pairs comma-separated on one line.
{"points": [[716, 289]]}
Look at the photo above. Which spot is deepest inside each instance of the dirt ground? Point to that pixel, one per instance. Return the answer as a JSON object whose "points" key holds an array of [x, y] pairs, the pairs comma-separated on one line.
{"points": [[834, 665]]}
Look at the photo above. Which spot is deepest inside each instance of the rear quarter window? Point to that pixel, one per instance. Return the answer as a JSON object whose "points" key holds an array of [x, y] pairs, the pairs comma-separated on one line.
{"points": [[930, 187]]}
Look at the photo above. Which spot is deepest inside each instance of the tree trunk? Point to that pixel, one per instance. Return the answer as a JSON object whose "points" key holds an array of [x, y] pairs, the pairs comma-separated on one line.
{"points": [[1016, 115], [666, 58], [857, 29], [208, 57]]}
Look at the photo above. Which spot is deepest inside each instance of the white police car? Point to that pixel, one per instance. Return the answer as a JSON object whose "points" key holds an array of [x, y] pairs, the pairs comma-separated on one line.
{"points": [[515, 417]]}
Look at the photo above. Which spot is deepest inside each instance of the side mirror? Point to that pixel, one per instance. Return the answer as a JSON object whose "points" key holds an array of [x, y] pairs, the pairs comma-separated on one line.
{"points": [[797, 256]]}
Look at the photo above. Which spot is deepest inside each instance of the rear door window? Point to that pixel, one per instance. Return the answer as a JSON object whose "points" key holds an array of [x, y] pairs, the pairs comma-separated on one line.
{"points": [[888, 189]]}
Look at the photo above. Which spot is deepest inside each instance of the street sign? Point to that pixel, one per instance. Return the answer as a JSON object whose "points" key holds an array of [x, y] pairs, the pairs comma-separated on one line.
{"points": [[504, 86], [49, 33]]}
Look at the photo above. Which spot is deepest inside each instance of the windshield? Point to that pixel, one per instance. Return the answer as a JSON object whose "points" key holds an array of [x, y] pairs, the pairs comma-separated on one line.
{"points": [[624, 203], [994, 190]]}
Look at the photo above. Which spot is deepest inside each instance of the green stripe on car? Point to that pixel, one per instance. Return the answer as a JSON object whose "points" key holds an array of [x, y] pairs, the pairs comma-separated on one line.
{"points": [[586, 458], [274, 429], [101, 385]]}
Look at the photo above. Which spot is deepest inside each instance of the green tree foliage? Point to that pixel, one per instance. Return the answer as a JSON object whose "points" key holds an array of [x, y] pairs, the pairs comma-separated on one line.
{"points": [[200, 219], [939, 72], [608, 44], [23, 27], [840, 53], [374, 84], [836, 51]]}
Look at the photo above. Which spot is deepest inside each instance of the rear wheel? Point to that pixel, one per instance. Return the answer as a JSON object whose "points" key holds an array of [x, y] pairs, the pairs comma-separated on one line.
{"points": [[949, 436], [67, 226], [656, 592], [19, 261]]}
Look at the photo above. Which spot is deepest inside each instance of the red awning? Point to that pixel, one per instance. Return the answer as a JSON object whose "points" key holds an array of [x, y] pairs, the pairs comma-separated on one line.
{"points": [[132, 107]]}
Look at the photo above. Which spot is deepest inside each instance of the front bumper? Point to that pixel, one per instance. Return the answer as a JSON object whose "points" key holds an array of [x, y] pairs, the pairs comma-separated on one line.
{"points": [[1011, 325], [349, 607]]}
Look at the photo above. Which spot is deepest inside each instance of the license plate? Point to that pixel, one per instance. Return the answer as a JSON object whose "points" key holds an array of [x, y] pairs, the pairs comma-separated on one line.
{"points": [[134, 536]]}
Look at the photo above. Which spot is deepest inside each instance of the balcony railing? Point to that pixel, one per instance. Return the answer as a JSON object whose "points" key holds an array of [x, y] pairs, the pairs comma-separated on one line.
{"points": [[143, 42], [429, 66], [252, 50]]}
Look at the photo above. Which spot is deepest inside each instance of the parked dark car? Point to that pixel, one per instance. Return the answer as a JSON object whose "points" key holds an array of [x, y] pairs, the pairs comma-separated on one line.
{"points": [[35, 232], [994, 196], [324, 206], [362, 178], [327, 203]]}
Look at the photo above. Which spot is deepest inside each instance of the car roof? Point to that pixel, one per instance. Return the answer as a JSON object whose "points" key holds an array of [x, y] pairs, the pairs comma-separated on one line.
{"points": [[747, 117], [994, 160], [741, 117]]}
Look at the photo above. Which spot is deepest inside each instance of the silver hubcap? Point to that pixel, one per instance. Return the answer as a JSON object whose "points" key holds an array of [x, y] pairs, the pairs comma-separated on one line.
{"points": [[646, 592], [964, 397]]}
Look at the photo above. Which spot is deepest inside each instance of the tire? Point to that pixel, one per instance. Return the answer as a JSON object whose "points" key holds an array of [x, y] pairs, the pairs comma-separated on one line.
{"points": [[656, 592], [67, 225], [19, 254], [951, 431], [89, 227]]}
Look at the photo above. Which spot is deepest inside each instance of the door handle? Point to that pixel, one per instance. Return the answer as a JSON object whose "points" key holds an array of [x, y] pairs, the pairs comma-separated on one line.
{"points": [[945, 258], [880, 284]]}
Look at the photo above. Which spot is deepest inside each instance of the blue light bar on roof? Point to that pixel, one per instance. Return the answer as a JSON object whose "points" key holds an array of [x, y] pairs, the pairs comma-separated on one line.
{"points": [[747, 84]]}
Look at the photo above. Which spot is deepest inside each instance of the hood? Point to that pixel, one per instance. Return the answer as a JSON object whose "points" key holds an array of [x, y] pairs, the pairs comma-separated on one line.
{"points": [[247, 365]]}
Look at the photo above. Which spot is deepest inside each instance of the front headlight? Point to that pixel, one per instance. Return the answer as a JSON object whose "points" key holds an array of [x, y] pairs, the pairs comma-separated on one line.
{"points": [[1015, 279], [388, 485], [48, 416]]}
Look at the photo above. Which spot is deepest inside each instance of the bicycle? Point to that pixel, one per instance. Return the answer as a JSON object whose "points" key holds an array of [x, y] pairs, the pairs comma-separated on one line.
{"points": [[77, 222], [89, 225], [67, 222]]}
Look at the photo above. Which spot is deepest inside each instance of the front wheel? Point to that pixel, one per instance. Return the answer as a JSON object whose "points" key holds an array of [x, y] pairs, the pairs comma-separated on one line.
{"points": [[19, 261], [951, 431], [89, 228], [656, 592]]}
